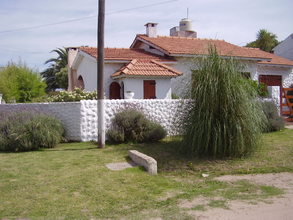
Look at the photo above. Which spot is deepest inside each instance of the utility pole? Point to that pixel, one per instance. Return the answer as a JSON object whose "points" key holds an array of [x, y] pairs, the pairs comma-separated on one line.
{"points": [[100, 74]]}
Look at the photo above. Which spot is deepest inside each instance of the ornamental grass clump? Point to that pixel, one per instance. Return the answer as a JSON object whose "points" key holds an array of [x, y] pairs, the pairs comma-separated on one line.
{"points": [[28, 131], [226, 119]]}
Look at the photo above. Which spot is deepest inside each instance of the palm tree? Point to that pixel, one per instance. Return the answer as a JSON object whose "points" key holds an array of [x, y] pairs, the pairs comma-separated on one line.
{"points": [[265, 41], [55, 76]]}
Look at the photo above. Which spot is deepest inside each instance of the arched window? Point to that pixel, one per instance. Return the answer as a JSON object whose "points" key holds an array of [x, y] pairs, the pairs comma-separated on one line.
{"points": [[80, 83], [115, 91]]}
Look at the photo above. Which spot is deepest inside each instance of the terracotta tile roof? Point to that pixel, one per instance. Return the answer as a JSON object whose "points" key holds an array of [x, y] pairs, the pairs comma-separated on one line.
{"points": [[125, 54], [277, 60], [146, 68], [195, 46]]}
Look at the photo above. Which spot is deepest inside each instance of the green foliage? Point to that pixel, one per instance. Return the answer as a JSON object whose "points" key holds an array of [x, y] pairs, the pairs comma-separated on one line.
{"points": [[72, 96], [275, 121], [133, 126], [62, 78], [56, 75], [260, 88], [20, 83], [265, 41], [29, 131], [226, 120], [115, 136], [175, 96]]}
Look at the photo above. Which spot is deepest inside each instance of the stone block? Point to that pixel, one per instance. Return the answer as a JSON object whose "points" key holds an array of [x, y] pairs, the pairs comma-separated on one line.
{"points": [[149, 163]]}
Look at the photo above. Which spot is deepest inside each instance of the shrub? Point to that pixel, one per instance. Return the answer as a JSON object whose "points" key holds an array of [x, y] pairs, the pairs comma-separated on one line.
{"points": [[72, 96], [174, 96], [226, 120], [260, 88], [20, 83], [29, 131], [275, 121], [115, 136], [133, 126]]}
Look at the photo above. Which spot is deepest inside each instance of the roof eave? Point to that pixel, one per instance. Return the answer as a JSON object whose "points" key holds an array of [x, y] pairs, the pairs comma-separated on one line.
{"points": [[142, 77], [276, 65]]}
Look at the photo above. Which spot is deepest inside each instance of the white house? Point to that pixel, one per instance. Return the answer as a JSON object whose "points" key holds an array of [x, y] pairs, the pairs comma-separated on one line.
{"points": [[285, 48], [126, 70], [156, 66]]}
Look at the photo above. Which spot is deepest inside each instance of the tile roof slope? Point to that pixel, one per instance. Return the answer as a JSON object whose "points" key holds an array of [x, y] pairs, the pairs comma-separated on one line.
{"points": [[146, 68], [192, 46], [125, 54], [277, 60]]}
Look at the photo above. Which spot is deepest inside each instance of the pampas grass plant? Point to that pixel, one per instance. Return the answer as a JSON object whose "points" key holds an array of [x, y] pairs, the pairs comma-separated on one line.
{"points": [[226, 119]]}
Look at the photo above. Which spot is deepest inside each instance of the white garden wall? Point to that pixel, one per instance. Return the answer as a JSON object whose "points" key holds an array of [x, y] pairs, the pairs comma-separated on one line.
{"points": [[68, 113], [80, 118], [165, 112]]}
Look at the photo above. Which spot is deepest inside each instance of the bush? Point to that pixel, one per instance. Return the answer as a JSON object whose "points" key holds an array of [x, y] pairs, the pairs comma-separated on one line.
{"points": [[275, 121], [72, 96], [260, 88], [133, 126], [29, 131], [20, 83], [226, 120]]}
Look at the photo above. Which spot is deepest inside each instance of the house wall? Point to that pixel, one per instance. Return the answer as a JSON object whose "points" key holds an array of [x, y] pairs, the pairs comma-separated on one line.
{"points": [[180, 85], [286, 73], [88, 70], [163, 87], [285, 49]]}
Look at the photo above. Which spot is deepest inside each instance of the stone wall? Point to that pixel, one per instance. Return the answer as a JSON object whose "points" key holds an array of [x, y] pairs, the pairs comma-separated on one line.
{"points": [[165, 112], [80, 118]]}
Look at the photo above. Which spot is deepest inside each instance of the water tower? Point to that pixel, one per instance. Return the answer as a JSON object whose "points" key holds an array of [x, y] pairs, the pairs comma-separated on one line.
{"points": [[184, 29]]}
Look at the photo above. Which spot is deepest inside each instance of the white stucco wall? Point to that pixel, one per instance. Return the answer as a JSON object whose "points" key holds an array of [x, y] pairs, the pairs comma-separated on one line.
{"points": [[68, 113], [88, 70], [286, 73], [80, 118], [134, 85], [163, 111], [285, 48], [163, 87], [181, 85]]}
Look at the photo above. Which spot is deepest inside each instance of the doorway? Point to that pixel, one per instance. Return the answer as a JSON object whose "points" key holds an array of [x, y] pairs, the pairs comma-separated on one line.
{"points": [[115, 91], [149, 89]]}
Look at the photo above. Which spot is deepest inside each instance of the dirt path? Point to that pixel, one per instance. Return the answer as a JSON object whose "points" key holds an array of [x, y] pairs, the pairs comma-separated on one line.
{"points": [[280, 208]]}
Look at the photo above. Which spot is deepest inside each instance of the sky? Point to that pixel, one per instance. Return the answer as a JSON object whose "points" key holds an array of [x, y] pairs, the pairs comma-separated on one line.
{"points": [[31, 29]]}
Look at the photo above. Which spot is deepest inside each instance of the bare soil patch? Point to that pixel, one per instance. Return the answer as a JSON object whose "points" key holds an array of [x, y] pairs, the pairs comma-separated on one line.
{"points": [[280, 208]]}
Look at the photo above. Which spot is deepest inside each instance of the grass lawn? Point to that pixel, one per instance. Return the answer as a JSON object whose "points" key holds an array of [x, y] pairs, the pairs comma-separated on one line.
{"points": [[72, 182]]}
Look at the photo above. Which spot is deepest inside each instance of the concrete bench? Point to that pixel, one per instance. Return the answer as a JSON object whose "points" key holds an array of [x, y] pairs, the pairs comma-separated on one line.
{"points": [[149, 163]]}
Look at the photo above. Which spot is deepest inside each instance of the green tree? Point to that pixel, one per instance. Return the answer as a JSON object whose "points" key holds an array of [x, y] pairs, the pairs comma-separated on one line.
{"points": [[225, 119], [56, 74], [20, 83], [265, 41]]}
